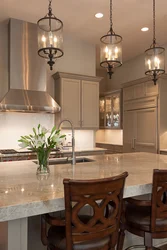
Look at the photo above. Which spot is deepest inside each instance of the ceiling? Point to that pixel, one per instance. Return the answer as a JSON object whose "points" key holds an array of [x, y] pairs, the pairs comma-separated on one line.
{"points": [[129, 16]]}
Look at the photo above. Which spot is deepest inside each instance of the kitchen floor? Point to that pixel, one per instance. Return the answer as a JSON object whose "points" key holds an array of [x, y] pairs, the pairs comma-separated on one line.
{"points": [[163, 247]]}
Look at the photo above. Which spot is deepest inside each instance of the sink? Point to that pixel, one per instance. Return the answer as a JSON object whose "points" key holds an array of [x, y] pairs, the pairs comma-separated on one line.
{"points": [[56, 161]]}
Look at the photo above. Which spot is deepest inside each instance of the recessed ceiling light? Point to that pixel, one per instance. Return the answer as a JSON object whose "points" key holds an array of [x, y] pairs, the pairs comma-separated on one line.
{"points": [[145, 29], [99, 15]]}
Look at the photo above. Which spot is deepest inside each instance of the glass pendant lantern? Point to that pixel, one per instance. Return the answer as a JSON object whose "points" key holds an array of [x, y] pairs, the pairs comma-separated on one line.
{"points": [[50, 37], [154, 57], [111, 49]]}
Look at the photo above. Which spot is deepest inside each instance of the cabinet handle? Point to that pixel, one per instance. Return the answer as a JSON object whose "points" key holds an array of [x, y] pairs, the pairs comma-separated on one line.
{"points": [[133, 143], [134, 139]]}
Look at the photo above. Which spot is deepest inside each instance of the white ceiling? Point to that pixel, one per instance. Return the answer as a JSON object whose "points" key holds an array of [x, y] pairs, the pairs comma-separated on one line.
{"points": [[129, 17]]}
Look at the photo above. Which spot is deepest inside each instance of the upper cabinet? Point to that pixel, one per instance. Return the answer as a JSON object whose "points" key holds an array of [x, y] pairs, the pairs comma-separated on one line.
{"points": [[145, 89], [110, 110], [78, 97]]}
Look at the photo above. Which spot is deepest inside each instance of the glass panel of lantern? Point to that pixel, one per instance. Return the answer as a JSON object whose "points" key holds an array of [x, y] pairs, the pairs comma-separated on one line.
{"points": [[50, 37], [154, 60], [111, 51]]}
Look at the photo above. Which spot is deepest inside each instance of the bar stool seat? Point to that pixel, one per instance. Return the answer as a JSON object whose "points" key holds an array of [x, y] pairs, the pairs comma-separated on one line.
{"points": [[140, 218], [57, 238]]}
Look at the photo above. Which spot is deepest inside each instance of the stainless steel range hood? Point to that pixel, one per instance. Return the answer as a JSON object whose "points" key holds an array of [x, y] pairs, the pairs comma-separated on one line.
{"points": [[26, 88]]}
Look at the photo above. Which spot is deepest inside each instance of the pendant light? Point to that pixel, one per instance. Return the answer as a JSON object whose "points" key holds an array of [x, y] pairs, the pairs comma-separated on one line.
{"points": [[154, 57], [111, 49], [50, 37]]}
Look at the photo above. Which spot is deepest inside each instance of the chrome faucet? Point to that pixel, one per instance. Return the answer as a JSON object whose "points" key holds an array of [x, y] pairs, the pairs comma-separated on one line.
{"points": [[73, 162]]}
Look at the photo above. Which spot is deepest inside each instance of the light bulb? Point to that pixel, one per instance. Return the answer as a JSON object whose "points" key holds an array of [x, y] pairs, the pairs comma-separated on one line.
{"points": [[55, 41], [149, 64], [50, 38], [44, 41], [156, 62], [106, 52], [109, 55], [116, 52]]}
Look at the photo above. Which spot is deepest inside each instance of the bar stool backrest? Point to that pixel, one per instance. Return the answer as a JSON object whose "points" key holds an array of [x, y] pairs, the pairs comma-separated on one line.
{"points": [[104, 196], [159, 199]]}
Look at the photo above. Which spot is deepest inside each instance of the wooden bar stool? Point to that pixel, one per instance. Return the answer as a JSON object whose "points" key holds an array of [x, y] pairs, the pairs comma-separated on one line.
{"points": [[147, 219], [87, 232]]}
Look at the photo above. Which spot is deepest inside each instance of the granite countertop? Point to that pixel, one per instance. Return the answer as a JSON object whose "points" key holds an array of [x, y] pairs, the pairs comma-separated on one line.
{"points": [[22, 194], [163, 150], [63, 151]]}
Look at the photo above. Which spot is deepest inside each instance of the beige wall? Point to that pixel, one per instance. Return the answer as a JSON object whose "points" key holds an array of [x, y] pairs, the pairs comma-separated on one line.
{"points": [[103, 83]]}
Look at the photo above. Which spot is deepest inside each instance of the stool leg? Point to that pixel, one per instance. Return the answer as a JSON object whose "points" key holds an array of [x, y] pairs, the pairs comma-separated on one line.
{"points": [[113, 242], [121, 235], [121, 239], [148, 241]]}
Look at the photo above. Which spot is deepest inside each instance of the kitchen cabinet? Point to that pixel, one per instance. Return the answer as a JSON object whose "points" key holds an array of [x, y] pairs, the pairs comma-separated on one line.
{"points": [[78, 97], [145, 89], [140, 130], [145, 116], [110, 110]]}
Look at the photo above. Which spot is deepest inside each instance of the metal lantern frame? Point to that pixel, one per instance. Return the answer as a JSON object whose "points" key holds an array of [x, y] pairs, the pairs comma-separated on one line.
{"points": [[51, 53], [111, 39], [155, 51]]}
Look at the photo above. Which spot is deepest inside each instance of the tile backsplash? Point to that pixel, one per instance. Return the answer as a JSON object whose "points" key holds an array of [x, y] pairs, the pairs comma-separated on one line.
{"points": [[13, 125], [83, 138], [110, 136]]}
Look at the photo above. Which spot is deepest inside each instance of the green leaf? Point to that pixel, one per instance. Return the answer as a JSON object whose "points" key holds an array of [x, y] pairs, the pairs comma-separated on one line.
{"points": [[62, 136], [53, 130], [34, 130]]}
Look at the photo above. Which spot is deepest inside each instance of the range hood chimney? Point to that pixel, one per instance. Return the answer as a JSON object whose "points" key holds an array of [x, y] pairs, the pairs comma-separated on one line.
{"points": [[26, 88]]}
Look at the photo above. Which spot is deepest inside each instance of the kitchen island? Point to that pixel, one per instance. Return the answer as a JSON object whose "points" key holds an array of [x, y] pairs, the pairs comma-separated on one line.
{"points": [[22, 194]]}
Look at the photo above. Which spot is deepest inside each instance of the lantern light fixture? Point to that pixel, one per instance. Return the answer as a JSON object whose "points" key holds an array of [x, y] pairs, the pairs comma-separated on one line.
{"points": [[50, 37], [154, 57], [111, 49]]}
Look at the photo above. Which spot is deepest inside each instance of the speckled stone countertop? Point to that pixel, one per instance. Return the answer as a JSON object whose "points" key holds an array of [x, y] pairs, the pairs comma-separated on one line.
{"points": [[25, 152], [22, 194]]}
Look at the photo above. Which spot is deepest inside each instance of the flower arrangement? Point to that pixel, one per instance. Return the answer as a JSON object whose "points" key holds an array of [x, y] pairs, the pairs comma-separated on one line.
{"points": [[42, 141]]}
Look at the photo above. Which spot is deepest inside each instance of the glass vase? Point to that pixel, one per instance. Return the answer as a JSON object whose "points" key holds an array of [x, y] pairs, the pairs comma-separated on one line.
{"points": [[43, 162]]}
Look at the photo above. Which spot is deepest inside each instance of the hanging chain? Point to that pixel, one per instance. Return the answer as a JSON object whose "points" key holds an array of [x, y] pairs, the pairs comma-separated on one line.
{"points": [[50, 7], [111, 23], [154, 39]]}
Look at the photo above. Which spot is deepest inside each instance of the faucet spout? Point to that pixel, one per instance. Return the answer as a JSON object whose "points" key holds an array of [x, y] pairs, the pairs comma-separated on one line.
{"points": [[73, 162]]}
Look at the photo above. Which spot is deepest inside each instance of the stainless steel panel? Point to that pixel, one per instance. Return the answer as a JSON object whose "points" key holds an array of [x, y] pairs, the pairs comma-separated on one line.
{"points": [[27, 69], [4, 69], [29, 101]]}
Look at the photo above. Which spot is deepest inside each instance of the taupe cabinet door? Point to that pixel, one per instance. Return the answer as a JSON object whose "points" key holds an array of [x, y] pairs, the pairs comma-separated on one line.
{"points": [[128, 131], [71, 101], [90, 104], [140, 130], [145, 139], [80, 103]]}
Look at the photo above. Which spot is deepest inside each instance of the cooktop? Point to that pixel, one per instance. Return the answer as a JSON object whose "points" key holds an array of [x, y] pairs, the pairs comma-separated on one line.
{"points": [[7, 151]]}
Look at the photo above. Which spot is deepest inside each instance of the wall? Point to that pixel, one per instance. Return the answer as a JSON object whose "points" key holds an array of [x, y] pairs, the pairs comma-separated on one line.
{"points": [[79, 58], [103, 83]]}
